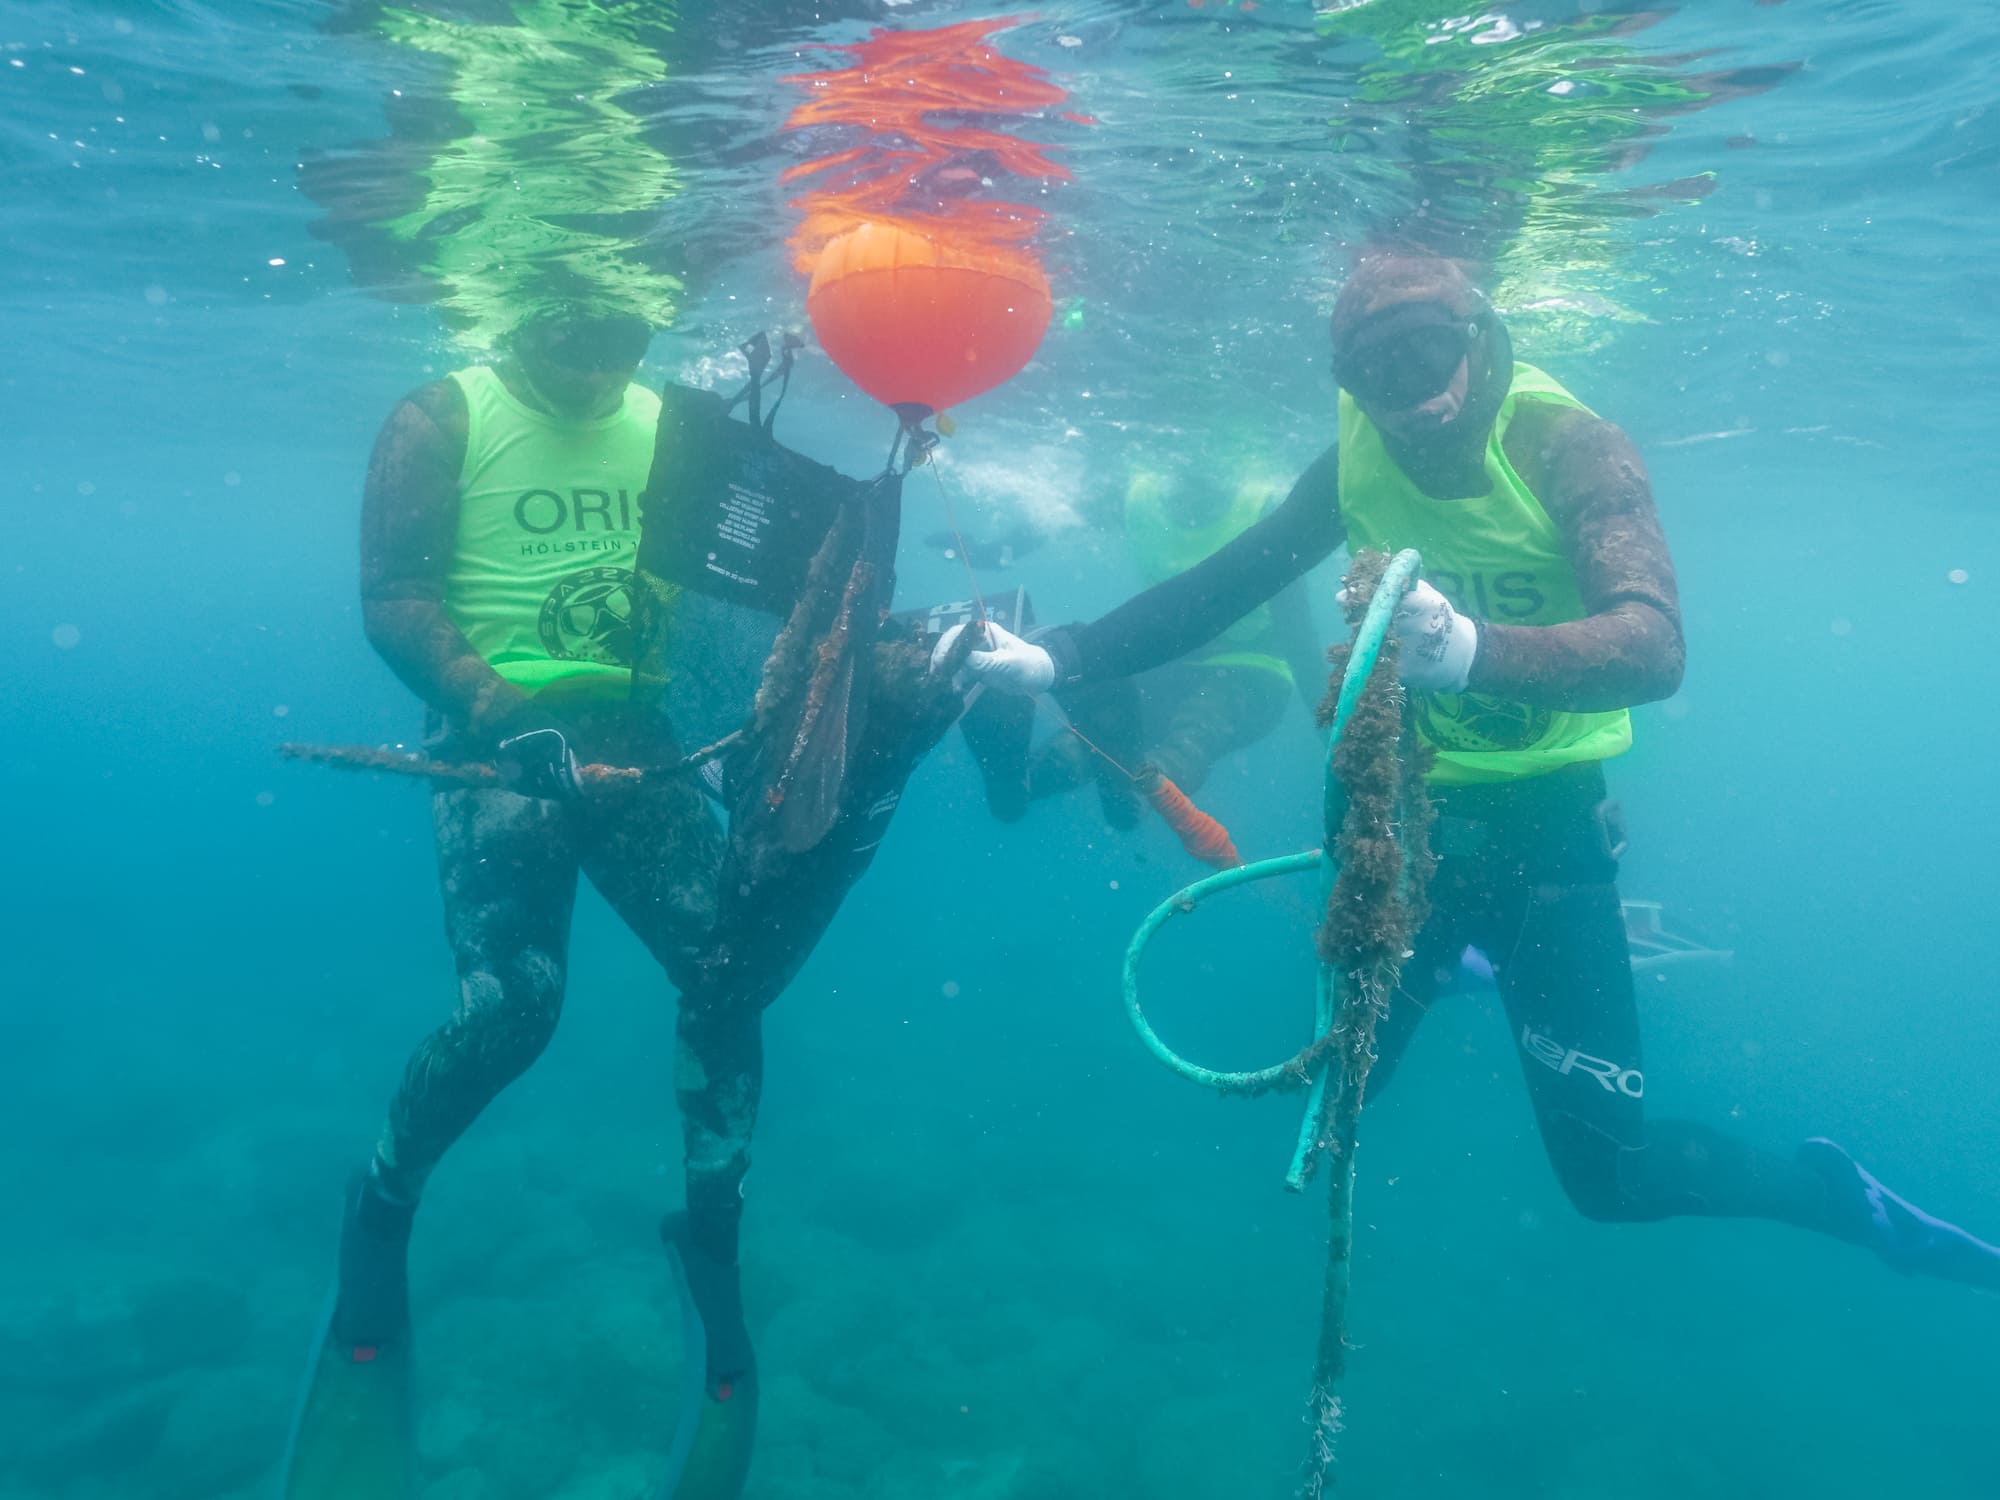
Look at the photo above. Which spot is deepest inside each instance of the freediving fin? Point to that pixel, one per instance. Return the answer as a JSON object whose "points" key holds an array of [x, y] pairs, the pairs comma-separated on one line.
{"points": [[353, 1437], [718, 1410]]}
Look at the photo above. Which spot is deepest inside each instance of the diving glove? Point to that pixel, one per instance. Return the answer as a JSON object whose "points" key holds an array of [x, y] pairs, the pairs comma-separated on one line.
{"points": [[1008, 663], [1438, 642], [537, 761]]}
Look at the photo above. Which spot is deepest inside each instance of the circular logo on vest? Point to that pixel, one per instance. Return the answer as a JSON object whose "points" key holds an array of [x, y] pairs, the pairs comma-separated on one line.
{"points": [[1473, 721], [588, 617]]}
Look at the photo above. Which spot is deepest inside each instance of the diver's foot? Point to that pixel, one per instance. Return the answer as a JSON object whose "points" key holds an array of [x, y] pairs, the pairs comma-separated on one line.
{"points": [[710, 1456], [354, 1436], [1910, 1240], [372, 1306]]}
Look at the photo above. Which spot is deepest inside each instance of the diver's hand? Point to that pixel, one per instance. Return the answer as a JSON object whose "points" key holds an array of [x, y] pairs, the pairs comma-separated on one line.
{"points": [[1438, 642], [538, 762], [1009, 663]]}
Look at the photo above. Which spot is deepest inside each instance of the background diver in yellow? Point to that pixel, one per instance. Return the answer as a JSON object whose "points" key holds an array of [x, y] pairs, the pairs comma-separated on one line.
{"points": [[1182, 718], [1548, 608]]}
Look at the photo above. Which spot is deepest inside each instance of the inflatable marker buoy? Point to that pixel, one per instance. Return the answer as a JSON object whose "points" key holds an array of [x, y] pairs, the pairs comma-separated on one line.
{"points": [[916, 322]]}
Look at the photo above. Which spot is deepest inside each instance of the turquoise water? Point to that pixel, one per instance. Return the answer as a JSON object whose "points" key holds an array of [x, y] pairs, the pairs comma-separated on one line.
{"points": [[993, 1250]]}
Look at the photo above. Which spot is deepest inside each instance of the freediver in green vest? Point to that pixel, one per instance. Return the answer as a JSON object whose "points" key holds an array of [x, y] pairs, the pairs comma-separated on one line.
{"points": [[501, 524], [1548, 609], [1181, 719]]}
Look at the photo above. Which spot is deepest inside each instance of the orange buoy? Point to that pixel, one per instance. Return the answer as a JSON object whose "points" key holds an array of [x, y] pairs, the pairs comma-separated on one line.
{"points": [[915, 322]]}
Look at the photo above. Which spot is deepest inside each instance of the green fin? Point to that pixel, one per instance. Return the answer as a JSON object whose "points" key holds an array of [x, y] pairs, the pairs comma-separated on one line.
{"points": [[710, 1458], [718, 1448], [353, 1438]]}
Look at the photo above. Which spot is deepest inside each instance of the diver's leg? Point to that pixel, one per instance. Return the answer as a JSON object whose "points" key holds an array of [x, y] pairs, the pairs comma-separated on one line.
{"points": [[718, 1077], [719, 1081], [1425, 972], [654, 853], [1212, 712], [509, 880], [507, 866], [1566, 978], [999, 729]]}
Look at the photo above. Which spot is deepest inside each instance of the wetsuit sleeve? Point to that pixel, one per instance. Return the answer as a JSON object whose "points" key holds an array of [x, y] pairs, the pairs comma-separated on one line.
{"points": [[1192, 608], [1628, 648], [409, 523]]}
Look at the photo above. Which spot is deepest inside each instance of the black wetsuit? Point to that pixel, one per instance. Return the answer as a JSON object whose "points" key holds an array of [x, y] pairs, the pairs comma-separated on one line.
{"points": [[507, 869], [730, 917], [507, 863], [1526, 871]]}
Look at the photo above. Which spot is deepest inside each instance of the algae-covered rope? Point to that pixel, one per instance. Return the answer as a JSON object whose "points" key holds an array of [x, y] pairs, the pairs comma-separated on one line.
{"points": [[1373, 797], [1292, 1073]]}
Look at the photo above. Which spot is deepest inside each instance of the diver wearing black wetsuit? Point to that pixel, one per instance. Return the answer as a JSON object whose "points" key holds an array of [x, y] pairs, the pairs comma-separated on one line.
{"points": [[503, 580], [1550, 608], [499, 528]]}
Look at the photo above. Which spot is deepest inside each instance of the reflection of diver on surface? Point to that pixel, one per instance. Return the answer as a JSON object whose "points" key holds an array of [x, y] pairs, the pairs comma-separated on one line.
{"points": [[1179, 720], [1487, 172], [1550, 606], [496, 499]]}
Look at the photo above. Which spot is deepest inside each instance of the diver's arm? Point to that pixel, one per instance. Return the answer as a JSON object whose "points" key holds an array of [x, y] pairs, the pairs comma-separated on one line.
{"points": [[1628, 648], [409, 524], [1189, 610]]}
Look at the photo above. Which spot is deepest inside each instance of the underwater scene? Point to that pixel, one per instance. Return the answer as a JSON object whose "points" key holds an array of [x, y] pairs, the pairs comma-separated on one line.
{"points": [[885, 749]]}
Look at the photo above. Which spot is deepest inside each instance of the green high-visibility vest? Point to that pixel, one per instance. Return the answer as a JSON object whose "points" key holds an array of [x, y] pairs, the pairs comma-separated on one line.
{"points": [[540, 578], [1163, 547], [1498, 557]]}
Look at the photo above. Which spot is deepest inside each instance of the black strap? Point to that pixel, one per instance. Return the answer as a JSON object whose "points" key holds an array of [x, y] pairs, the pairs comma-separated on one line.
{"points": [[790, 344], [910, 447], [757, 351]]}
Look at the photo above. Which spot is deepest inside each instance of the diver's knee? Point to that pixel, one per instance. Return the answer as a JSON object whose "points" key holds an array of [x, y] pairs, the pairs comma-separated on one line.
{"points": [[1593, 1171], [513, 1011], [1170, 760]]}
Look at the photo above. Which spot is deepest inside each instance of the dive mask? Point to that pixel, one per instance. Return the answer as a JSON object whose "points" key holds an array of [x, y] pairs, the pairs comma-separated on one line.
{"points": [[1405, 355]]}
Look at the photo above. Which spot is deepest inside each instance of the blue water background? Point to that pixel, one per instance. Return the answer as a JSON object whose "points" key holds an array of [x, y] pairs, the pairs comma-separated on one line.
{"points": [[993, 1250]]}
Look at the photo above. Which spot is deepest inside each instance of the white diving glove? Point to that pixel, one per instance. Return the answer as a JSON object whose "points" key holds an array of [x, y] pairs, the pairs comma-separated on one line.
{"points": [[1438, 642], [1010, 664]]}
